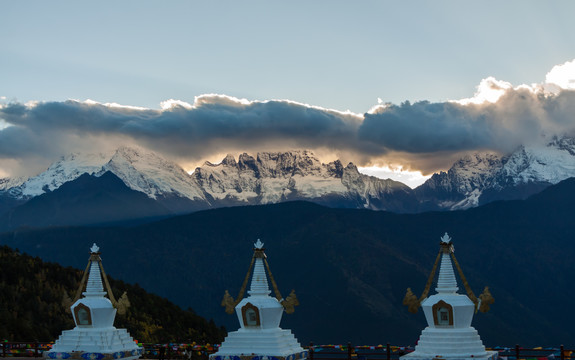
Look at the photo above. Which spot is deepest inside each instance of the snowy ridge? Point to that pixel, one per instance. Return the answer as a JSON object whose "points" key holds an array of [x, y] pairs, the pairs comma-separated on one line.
{"points": [[68, 168], [551, 163], [280, 176], [139, 169], [370, 188], [465, 180], [469, 179], [147, 172], [269, 177], [7, 183]]}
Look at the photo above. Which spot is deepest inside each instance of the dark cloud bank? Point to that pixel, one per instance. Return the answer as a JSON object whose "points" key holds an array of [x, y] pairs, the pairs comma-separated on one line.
{"points": [[220, 124]]}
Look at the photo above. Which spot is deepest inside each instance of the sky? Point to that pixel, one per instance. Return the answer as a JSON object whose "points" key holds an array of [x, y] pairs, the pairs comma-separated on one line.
{"points": [[400, 88]]}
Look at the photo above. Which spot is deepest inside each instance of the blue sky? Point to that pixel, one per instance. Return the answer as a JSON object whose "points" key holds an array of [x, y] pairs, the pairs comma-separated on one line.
{"points": [[338, 55]]}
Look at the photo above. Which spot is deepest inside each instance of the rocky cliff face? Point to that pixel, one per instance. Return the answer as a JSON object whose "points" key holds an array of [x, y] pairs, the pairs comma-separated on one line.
{"points": [[482, 178], [461, 185], [295, 175]]}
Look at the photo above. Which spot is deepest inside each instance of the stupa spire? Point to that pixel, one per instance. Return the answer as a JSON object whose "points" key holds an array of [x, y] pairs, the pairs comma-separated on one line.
{"points": [[259, 285], [260, 270], [94, 285], [446, 281]]}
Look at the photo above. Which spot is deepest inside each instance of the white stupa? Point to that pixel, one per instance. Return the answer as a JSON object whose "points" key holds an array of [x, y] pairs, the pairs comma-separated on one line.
{"points": [[94, 337], [260, 337], [449, 334]]}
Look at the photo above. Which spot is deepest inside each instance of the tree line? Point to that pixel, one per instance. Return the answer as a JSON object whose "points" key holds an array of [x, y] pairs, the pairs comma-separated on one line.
{"points": [[33, 305]]}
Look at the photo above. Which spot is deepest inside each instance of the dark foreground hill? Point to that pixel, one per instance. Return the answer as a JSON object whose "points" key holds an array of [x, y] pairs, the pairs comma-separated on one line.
{"points": [[32, 291], [350, 268]]}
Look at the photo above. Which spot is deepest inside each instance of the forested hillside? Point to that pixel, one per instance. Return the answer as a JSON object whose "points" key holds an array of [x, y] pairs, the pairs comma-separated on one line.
{"points": [[32, 305]]}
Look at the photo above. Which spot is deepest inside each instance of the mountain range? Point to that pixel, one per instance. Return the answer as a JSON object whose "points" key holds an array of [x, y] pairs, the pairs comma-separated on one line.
{"points": [[350, 268], [267, 178]]}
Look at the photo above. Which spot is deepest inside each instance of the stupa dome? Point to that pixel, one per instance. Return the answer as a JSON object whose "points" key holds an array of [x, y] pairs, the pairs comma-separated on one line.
{"points": [[260, 315], [449, 334], [94, 336]]}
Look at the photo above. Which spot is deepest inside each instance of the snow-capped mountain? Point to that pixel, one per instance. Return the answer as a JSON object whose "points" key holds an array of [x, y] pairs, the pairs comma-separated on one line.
{"points": [[266, 178], [155, 176], [271, 177], [294, 175], [481, 178], [551, 163], [140, 169], [66, 169], [459, 187]]}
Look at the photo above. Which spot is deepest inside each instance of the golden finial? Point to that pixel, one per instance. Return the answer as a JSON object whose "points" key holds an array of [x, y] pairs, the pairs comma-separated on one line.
{"points": [[228, 302], [410, 300], [290, 302], [123, 304], [485, 300]]}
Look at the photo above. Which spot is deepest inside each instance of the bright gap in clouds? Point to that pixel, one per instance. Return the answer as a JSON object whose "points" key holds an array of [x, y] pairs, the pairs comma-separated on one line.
{"points": [[410, 178], [3, 124]]}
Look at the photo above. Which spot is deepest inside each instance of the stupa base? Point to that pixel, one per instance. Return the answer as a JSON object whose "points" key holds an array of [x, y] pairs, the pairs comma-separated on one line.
{"points": [[94, 344], [452, 344], [268, 344], [489, 355], [82, 355], [302, 355]]}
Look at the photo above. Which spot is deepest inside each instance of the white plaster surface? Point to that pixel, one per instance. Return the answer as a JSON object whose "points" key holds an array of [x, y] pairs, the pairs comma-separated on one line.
{"points": [[264, 342], [267, 339], [100, 336], [459, 341]]}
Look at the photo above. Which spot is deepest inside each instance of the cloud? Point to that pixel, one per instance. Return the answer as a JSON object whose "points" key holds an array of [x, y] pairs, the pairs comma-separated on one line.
{"points": [[424, 127], [499, 117], [214, 123], [489, 90], [420, 136], [562, 75]]}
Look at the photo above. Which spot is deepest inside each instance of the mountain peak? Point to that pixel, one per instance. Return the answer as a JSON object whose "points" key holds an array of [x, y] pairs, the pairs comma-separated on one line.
{"points": [[145, 171], [68, 168], [288, 163], [229, 160], [477, 159], [351, 167], [133, 154]]}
